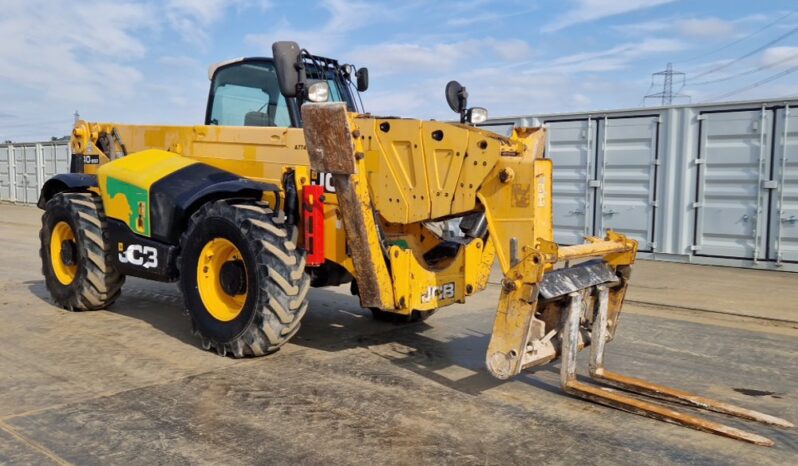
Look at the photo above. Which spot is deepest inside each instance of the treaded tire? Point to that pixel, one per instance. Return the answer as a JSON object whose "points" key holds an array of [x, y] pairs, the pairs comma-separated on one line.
{"points": [[276, 293], [415, 316], [97, 283]]}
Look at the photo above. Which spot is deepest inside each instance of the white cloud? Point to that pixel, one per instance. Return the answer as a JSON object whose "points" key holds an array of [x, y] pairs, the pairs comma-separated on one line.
{"points": [[52, 63], [693, 28], [505, 86], [504, 93], [49, 54], [344, 17], [585, 11], [502, 75], [413, 58], [511, 49], [402, 101], [319, 42], [706, 28], [464, 21], [470, 18], [120, 68], [645, 27], [191, 18], [178, 61], [710, 28], [617, 57], [581, 100], [347, 15], [780, 57]]}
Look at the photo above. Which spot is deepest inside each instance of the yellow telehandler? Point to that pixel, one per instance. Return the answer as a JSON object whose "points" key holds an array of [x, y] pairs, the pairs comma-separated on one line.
{"points": [[290, 184]]}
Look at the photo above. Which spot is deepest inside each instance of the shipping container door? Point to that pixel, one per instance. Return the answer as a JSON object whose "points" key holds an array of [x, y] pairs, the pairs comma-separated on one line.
{"points": [[19, 173], [55, 158], [6, 175], [731, 198], [571, 146], [26, 166], [784, 205], [626, 178]]}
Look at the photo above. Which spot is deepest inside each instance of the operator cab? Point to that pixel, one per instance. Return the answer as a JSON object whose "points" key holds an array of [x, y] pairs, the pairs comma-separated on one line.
{"points": [[270, 91]]}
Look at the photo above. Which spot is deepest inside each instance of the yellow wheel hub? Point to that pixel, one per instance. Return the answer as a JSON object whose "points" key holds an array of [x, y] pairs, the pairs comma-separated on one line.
{"points": [[63, 253], [222, 304]]}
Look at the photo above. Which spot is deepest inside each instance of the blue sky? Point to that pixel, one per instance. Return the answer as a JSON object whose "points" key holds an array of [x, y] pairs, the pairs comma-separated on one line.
{"points": [[146, 61]]}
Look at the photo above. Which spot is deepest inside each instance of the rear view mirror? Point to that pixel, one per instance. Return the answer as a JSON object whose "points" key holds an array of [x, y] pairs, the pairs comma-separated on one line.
{"points": [[362, 79], [286, 60], [456, 97]]}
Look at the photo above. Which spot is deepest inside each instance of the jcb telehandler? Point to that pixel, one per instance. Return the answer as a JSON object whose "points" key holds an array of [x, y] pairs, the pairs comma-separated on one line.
{"points": [[290, 184]]}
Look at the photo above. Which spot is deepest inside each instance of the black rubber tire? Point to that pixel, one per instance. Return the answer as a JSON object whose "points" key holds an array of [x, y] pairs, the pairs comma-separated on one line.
{"points": [[415, 316], [97, 283], [276, 293]]}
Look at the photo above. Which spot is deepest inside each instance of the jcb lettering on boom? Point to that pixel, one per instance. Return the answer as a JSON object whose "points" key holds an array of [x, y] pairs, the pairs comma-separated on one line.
{"points": [[323, 179], [445, 291]]}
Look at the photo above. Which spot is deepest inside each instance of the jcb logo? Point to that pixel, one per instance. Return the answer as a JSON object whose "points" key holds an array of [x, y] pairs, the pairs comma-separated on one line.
{"points": [[322, 179], [136, 254], [445, 291]]}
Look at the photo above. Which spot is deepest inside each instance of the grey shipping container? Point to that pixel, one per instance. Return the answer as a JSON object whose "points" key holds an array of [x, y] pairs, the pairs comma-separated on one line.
{"points": [[24, 168], [708, 183]]}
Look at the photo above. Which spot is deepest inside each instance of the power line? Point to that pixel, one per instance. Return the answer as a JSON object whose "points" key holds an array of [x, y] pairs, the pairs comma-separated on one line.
{"points": [[747, 72], [756, 84], [643, 99], [749, 54], [667, 95], [735, 42]]}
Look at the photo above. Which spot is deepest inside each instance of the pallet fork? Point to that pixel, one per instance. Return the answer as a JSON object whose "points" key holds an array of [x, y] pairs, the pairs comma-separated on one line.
{"points": [[572, 340]]}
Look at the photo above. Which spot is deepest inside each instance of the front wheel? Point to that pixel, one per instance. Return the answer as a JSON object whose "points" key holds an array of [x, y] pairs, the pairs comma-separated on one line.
{"points": [[77, 256], [243, 278]]}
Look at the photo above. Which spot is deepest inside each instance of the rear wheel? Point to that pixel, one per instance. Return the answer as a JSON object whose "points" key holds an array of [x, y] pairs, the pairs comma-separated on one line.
{"points": [[243, 278], [76, 254]]}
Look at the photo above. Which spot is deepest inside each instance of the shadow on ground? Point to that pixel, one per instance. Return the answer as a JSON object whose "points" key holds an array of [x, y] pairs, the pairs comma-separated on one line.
{"points": [[336, 323], [157, 304]]}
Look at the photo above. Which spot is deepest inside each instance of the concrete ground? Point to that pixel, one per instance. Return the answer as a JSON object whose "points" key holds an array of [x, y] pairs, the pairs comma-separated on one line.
{"points": [[130, 385]]}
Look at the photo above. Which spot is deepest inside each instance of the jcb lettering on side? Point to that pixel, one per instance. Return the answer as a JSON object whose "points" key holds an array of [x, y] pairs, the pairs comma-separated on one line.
{"points": [[143, 256]]}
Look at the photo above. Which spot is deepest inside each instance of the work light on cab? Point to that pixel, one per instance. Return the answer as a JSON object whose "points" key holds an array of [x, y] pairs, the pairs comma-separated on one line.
{"points": [[319, 92]]}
